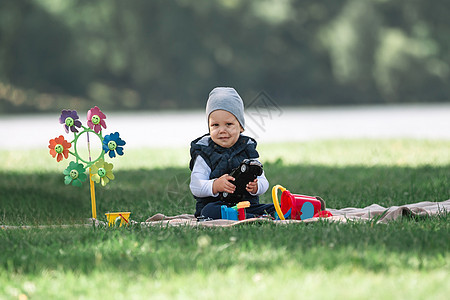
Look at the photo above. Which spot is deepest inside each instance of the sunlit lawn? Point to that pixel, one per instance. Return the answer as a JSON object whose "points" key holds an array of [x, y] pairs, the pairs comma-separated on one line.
{"points": [[406, 259]]}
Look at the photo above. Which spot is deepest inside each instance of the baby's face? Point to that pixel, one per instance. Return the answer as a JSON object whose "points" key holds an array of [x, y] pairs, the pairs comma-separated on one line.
{"points": [[224, 128]]}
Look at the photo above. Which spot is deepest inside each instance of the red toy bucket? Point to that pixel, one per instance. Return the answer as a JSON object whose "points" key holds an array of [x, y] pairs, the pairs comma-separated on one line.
{"points": [[298, 207]]}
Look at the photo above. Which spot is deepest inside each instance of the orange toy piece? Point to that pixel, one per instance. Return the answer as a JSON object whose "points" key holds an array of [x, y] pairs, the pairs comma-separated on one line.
{"points": [[241, 206]]}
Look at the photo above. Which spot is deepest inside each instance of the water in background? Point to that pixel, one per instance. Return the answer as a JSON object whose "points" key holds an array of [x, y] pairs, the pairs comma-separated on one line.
{"points": [[266, 124]]}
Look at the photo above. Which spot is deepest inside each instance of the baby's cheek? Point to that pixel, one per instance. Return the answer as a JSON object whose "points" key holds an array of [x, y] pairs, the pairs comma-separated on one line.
{"points": [[213, 132]]}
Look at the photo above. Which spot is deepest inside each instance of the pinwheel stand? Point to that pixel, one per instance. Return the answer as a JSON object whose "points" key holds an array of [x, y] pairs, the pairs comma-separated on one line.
{"points": [[99, 170]]}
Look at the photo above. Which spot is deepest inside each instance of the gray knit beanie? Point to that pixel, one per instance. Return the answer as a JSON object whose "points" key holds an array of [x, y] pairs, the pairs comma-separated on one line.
{"points": [[226, 98]]}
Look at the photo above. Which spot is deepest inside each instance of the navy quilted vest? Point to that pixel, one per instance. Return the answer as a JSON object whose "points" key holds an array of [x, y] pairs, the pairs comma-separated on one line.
{"points": [[221, 160]]}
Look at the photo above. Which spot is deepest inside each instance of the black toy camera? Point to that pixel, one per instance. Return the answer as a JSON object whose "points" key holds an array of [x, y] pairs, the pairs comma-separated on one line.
{"points": [[246, 172]]}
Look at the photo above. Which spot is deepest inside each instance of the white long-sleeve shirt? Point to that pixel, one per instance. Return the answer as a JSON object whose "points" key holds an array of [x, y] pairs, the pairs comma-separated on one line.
{"points": [[201, 185]]}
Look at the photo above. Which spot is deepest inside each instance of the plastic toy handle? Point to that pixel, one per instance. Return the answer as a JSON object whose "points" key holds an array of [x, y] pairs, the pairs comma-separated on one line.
{"points": [[275, 200], [124, 218]]}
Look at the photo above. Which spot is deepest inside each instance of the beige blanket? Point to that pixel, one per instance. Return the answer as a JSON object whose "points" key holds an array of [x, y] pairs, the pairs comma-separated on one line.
{"points": [[373, 212]]}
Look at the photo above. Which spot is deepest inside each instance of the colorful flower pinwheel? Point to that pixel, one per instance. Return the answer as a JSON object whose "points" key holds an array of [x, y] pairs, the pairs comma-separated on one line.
{"points": [[111, 143], [102, 172], [70, 120], [75, 174], [96, 119], [59, 147]]}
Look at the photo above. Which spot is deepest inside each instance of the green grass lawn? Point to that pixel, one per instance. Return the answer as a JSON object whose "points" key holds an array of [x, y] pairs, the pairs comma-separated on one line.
{"points": [[405, 259]]}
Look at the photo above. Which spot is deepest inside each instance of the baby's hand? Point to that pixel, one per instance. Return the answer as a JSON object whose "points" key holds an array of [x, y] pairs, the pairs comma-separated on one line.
{"points": [[222, 184], [252, 186]]}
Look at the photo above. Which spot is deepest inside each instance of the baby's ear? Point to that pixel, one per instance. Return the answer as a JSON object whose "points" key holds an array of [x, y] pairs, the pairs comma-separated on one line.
{"points": [[242, 129]]}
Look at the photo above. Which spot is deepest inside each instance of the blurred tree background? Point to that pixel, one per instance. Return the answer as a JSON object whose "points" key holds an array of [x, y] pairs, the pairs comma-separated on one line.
{"points": [[168, 54]]}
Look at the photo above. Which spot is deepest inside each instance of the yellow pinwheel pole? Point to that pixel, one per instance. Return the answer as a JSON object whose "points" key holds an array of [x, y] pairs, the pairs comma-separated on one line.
{"points": [[94, 208]]}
